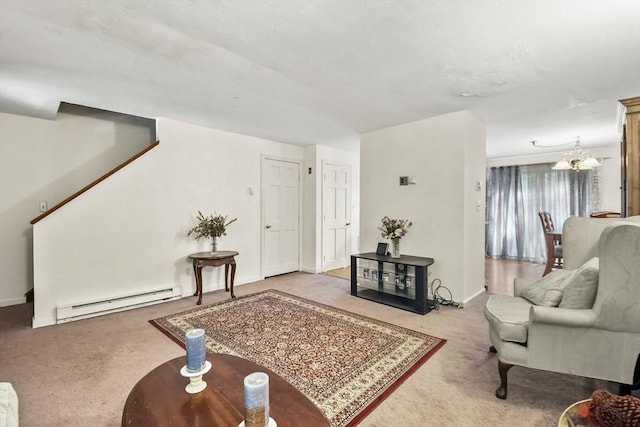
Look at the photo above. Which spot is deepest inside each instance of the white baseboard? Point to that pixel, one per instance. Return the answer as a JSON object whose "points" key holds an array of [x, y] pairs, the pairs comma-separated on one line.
{"points": [[12, 301], [38, 322], [311, 270], [482, 290], [247, 280], [188, 291]]}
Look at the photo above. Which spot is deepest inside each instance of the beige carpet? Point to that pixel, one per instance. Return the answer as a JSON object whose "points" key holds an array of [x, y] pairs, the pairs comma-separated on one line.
{"points": [[345, 363], [80, 373]]}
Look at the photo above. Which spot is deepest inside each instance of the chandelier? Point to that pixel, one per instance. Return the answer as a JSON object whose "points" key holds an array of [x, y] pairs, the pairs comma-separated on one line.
{"points": [[576, 160], [580, 160]]}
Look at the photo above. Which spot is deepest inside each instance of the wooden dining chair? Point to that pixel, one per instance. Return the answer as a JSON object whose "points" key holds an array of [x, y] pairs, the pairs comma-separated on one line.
{"points": [[546, 221], [553, 240]]}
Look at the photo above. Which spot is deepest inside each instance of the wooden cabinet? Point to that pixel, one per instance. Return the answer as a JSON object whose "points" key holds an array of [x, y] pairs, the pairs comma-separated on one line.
{"points": [[630, 153]]}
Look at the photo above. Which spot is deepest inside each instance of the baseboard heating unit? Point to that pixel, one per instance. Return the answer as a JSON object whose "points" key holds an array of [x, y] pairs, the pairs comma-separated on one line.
{"points": [[69, 312]]}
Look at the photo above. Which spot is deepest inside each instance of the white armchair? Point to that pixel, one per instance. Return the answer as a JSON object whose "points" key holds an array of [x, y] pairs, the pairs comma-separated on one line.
{"points": [[582, 320]]}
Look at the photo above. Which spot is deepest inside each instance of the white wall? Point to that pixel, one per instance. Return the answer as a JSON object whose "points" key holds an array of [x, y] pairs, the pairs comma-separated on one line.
{"points": [[610, 178], [128, 234], [47, 161], [447, 156]]}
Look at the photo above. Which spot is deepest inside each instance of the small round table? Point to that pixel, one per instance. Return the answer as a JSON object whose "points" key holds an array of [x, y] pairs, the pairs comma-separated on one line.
{"points": [[159, 398], [214, 259]]}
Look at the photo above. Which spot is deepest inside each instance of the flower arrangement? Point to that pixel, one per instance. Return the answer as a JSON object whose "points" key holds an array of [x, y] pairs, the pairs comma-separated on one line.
{"points": [[210, 226], [394, 228]]}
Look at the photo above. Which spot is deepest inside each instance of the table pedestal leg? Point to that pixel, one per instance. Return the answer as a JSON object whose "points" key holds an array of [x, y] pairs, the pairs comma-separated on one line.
{"points": [[226, 274], [197, 269], [233, 276]]}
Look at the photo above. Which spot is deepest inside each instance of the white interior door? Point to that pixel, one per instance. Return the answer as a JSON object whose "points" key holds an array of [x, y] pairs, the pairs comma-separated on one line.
{"points": [[280, 207], [336, 224]]}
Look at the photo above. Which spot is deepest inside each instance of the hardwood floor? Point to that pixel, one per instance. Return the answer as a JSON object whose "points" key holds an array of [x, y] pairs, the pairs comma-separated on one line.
{"points": [[344, 272], [499, 274]]}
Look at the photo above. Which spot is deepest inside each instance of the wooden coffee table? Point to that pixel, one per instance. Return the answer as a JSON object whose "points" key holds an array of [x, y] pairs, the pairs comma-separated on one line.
{"points": [[159, 398]]}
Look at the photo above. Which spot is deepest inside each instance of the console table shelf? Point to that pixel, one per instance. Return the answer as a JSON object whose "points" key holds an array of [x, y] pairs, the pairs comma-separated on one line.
{"points": [[398, 282]]}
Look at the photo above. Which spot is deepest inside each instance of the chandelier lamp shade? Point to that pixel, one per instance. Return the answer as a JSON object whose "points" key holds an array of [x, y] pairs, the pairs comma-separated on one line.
{"points": [[577, 160]]}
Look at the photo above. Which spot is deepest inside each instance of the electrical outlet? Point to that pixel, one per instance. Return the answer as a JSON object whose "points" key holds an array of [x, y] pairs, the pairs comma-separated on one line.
{"points": [[43, 206]]}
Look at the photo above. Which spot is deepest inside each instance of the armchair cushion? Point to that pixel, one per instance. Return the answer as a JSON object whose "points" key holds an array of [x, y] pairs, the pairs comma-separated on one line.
{"points": [[581, 288], [548, 290], [509, 317]]}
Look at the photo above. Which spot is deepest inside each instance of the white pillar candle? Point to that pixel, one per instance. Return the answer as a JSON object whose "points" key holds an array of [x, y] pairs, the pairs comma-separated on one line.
{"points": [[196, 351], [256, 400]]}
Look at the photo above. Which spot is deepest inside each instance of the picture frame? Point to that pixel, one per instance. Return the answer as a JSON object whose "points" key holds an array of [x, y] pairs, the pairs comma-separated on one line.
{"points": [[382, 249]]}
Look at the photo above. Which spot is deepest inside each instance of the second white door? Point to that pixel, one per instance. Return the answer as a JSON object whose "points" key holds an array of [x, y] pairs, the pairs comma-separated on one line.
{"points": [[336, 224]]}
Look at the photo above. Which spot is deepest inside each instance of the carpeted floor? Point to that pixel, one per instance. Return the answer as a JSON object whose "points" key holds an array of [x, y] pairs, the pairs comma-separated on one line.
{"points": [[80, 373], [344, 362]]}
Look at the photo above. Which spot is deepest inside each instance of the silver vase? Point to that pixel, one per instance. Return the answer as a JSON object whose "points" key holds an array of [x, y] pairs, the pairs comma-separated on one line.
{"points": [[395, 248]]}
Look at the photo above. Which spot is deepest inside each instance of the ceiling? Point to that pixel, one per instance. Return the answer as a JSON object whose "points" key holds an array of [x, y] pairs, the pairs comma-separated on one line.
{"points": [[322, 72]]}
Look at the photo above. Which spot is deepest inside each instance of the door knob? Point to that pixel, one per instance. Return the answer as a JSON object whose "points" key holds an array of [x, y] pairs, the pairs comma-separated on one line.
{"points": [[267, 226], [347, 224]]}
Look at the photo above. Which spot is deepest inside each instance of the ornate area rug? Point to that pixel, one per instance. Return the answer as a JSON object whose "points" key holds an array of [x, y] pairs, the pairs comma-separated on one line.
{"points": [[345, 363]]}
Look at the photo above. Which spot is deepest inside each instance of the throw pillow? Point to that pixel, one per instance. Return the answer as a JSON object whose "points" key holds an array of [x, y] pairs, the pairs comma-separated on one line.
{"points": [[581, 289], [547, 291]]}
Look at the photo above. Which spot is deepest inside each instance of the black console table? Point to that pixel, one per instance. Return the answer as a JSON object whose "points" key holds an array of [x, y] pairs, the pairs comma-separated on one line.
{"points": [[398, 282]]}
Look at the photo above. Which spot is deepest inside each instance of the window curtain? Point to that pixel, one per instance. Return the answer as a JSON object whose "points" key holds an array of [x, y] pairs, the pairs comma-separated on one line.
{"points": [[515, 195]]}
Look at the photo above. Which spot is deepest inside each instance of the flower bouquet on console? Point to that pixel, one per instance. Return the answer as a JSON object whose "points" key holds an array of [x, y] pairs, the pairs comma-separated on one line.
{"points": [[394, 229]]}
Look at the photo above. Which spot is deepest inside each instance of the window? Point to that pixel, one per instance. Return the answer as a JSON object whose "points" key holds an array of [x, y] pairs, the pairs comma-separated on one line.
{"points": [[515, 195]]}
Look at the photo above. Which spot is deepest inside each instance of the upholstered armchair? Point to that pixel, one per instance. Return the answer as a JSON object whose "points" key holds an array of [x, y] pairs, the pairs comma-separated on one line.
{"points": [[583, 319]]}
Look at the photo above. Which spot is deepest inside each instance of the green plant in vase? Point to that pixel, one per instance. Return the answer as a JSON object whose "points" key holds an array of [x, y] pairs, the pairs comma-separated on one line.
{"points": [[212, 226]]}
